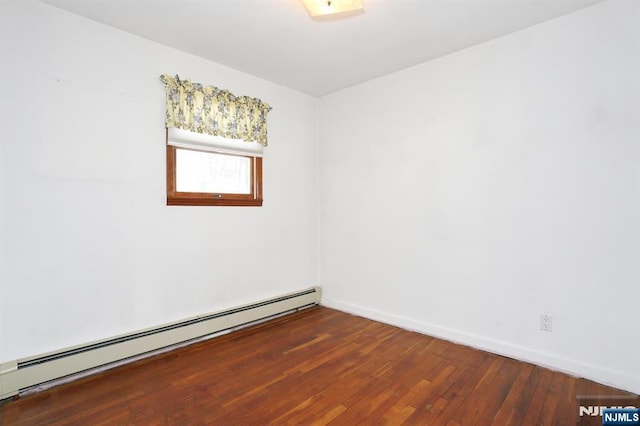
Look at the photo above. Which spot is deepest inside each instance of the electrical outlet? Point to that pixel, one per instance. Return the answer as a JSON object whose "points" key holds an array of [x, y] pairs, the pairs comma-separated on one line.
{"points": [[546, 322]]}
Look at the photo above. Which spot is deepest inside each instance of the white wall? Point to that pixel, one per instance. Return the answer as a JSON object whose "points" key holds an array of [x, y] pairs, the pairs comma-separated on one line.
{"points": [[466, 196], [88, 247]]}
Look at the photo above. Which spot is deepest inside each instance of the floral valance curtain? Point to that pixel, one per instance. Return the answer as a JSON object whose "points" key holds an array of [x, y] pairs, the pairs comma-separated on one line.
{"points": [[209, 110]]}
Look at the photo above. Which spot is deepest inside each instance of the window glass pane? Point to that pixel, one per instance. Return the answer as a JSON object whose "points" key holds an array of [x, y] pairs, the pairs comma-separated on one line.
{"points": [[198, 171]]}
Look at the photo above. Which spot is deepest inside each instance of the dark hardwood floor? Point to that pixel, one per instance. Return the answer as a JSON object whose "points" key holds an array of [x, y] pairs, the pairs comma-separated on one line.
{"points": [[317, 366]]}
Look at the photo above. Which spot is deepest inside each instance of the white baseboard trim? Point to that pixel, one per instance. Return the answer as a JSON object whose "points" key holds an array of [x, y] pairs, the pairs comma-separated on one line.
{"points": [[572, 367]]}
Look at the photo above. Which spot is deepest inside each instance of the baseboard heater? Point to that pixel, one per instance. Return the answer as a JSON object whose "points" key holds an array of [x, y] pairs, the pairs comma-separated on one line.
{"points": [[16, 376]]}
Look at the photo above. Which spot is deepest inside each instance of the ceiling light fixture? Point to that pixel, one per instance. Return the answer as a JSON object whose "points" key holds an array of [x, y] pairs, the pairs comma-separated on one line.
{"points": [[319, 8]]}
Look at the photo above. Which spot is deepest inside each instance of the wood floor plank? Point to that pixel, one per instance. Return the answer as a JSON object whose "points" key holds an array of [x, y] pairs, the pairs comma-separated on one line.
{"points": [[315, 367], [506, 411], [474, 404], [551, 401], [537, 399]]}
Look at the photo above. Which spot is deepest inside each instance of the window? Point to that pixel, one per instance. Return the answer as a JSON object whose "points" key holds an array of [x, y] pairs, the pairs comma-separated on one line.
{"points": [[214, 145], [204, 170]]}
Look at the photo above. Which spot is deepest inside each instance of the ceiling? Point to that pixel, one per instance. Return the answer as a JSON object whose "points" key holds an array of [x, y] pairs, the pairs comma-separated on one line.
{"points": [[277, 40]]}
